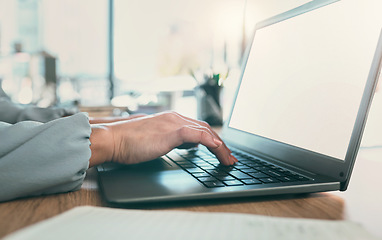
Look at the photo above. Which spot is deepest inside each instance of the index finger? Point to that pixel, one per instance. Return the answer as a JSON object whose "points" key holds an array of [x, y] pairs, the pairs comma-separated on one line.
{"points": [[206, 125], [195, 134]]}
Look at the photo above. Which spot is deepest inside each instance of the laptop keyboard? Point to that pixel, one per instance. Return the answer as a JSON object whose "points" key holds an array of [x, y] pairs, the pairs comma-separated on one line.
{"points": [[205, 167]]}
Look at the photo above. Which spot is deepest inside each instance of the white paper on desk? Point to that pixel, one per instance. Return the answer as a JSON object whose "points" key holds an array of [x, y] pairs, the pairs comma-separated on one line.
{"points": [[107, 223]]}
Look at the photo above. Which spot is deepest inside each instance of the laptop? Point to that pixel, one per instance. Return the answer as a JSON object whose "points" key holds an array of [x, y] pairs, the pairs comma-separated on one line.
{"points": [[295, 125]]}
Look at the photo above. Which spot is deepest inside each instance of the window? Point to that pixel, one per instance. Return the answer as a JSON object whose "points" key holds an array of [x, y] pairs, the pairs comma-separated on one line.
{"points": [[157, 39], [73, 32]]}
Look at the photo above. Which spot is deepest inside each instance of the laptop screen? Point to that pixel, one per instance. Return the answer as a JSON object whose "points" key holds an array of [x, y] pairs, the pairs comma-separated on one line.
{"points": [[303, 82]]}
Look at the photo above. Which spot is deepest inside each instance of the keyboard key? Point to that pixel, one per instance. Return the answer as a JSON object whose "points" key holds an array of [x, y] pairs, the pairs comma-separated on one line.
{"points": [[199, 161], [233, 183], [273, 173], [182, 161], [263, 168], [215, 164], [217, 172], [213, 184], [289, 173], [287, 179], [208, 167], [198, 175], [224, 178], [258, 175], [225, 168], [187, 165], [243, 167], [253, 163], [201, 164], [238, 164], [250, 170], [240, 175], [194, 170], [207, 179], [301, 178], [269, 180], [246, 162], [251, 181], [213, 161], [273, 167], [202, 155], [192, 159], [282, 170]]}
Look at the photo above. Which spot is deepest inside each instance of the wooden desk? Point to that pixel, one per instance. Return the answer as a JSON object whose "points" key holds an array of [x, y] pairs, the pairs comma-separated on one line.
{"points": [[361, 203]]}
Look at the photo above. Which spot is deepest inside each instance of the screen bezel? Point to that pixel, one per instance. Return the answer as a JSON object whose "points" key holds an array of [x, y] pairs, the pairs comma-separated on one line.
{"points": [[302, 158]]}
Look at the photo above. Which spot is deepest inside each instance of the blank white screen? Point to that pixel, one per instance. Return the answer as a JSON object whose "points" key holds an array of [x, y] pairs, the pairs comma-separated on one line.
{"points": [[304, 81]]}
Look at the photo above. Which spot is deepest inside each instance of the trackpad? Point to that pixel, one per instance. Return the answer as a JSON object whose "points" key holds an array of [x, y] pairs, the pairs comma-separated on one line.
{"points": [[145, 181]]}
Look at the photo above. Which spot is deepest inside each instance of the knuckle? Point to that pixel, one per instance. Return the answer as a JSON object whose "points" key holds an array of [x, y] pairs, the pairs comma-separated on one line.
{"points": [[193, 135], [171, 115], [182, 132], [204, 123]]}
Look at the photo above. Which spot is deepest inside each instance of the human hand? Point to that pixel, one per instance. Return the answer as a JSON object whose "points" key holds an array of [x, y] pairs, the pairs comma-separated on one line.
{"points": [[149, 137]]}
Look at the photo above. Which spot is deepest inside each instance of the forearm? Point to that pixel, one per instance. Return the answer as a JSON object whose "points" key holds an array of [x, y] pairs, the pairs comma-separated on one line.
{"points": [[39, 158], [102, 120]]}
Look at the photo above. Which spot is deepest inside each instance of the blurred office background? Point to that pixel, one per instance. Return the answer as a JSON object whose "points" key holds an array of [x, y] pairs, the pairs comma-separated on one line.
{"points": [[103, 52], [141, 55]]}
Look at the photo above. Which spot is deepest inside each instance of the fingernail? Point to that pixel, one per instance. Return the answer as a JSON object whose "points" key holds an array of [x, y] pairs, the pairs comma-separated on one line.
{"points": [[232, 159], [218, 142]]}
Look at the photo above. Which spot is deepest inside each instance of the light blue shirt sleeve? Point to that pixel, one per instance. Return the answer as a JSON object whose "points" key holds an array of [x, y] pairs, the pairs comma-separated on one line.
{"points": [[12, 113], [43, 158]]}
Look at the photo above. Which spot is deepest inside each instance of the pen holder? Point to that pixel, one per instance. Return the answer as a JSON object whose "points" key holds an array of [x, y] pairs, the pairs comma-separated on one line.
{"points": [[208, 102]]}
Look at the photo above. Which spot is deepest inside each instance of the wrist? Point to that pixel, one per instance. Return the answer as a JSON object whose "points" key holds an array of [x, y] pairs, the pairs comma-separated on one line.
{"points": [[101, 144]]}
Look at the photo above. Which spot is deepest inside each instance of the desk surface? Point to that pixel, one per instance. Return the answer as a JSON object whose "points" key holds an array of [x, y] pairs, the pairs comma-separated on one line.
{"points": [[360, 203]]}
